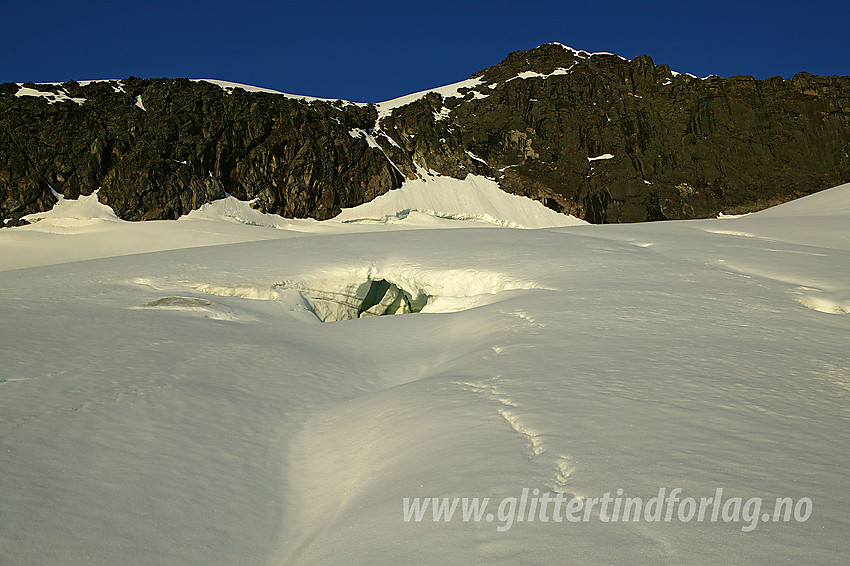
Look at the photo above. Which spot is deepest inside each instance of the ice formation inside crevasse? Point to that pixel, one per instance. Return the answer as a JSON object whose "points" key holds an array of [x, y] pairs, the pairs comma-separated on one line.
{"points": [[373, 297]]}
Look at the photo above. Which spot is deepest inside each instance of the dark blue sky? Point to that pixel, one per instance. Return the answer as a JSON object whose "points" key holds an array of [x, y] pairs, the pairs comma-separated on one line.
{"points": [[371, 51]]}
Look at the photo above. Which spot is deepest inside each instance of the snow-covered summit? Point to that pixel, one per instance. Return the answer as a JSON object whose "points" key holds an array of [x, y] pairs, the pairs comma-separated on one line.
{"points": [[585, 54]]}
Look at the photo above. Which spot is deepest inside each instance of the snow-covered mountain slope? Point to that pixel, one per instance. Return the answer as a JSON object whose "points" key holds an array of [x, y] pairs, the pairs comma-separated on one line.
{"points": [[176, 401]]}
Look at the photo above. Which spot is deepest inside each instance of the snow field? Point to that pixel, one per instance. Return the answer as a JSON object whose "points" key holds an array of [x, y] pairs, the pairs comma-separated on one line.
{"points": [[168, 395]]}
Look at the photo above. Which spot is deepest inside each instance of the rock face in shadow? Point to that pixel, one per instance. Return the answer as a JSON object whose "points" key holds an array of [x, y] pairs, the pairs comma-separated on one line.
{"points": [[594, 135]]}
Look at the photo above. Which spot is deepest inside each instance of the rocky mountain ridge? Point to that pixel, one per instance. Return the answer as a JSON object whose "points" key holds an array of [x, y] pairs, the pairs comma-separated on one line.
{"points": [[594, 135]]}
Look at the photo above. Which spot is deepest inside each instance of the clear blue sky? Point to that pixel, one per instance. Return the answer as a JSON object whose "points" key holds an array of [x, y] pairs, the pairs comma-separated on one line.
{"points": [[371, 51]]}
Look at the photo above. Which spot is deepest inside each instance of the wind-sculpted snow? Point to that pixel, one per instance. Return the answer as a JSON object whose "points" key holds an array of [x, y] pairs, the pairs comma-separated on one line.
{"points": [[429, 202], [168, 394], [72, 215], [235, 210], [823, 302], [475, 198]]}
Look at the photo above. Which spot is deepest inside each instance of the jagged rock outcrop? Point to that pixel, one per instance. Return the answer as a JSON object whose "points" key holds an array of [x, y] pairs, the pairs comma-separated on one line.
{"points": [[594, 135], [680, 147], [159, 148]]}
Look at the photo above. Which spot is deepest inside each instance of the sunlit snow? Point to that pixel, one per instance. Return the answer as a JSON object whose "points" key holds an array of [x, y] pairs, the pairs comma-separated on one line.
{"points": [[229, 87], [447, 91], [169, 395], [475, 198]]}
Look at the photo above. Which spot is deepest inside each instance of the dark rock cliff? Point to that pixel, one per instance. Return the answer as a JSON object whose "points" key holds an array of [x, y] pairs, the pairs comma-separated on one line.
{"points": [[597, 136], [159, 148]]}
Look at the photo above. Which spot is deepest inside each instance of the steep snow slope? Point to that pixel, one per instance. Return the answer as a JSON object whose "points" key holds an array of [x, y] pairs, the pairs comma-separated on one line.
{"points": [[185, 406]]}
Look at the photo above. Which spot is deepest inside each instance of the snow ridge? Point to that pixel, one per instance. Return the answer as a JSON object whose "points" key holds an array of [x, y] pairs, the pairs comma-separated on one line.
{"points": [[474, 198]]}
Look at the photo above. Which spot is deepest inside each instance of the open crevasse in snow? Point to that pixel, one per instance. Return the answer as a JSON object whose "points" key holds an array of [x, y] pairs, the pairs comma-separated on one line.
{"points": [[374, 297], [351, 293]]}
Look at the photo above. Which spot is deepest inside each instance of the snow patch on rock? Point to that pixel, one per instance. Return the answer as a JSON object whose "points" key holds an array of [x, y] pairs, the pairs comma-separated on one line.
{"points": [[585, 54], [535, 75], [52, 97], [358, 133], [447, 91]]}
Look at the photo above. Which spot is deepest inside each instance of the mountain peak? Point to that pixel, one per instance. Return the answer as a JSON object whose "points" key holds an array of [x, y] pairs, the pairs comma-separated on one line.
{"points": [[538, 123], [544, 60]]}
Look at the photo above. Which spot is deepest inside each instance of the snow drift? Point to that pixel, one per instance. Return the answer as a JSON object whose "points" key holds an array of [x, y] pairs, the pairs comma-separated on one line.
{"points": [[475, 198]]}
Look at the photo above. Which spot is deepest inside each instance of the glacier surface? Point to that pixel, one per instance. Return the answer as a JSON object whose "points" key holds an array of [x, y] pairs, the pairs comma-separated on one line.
{"points": [[168, 394]]}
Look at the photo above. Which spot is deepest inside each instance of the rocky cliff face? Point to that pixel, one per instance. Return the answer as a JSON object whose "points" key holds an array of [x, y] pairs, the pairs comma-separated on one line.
{"points": [[594, 135], [158, 149]]}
